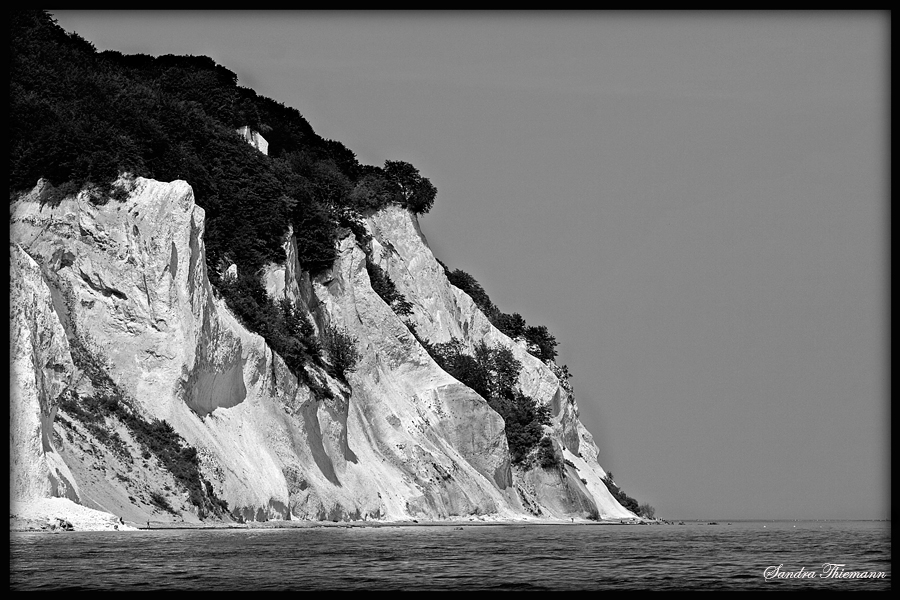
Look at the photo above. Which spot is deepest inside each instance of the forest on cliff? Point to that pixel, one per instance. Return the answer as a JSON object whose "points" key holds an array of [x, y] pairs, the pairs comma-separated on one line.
{"points": [[80, 119]]}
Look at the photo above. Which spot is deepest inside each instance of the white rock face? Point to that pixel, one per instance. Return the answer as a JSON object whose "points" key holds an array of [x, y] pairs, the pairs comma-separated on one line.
{"points": [[40, 372], [125, 284], [254, 139], [441, 312]]}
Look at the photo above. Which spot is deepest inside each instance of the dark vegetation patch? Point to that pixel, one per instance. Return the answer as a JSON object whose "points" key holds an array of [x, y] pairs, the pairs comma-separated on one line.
{"points": [[289, 332], [540, 342], [547, 455], [379, 280], [625, 500], [79, 119], [341, 349], [160, 501], [385, 288], [178, 458], [91, 412], [285, 327], [493, 373], [157, 438]]}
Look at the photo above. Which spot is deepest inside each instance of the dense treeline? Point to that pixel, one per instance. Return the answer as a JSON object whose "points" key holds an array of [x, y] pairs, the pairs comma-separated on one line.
{"points": [[643, 510], [541, 342], [80, 118]]}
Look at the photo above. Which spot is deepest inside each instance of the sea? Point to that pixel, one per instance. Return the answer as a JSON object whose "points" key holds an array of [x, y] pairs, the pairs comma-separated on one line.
{"points": [[735, 555]]}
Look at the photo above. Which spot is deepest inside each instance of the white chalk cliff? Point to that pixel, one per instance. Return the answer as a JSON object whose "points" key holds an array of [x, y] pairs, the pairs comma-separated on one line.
{"points": [[125, 284]]}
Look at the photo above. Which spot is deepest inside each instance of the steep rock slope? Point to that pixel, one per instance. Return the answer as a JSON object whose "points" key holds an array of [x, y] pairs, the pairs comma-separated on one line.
{"points": [[442, 312], [115, 328], [40, 370]]}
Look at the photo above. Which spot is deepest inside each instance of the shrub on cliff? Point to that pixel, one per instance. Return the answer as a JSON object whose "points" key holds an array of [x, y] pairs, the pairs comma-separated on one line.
{"points": [[283, 325], [540, 342], [160, 501], [470, 286], [157, 438], [512, 325], [624, 499], [341, 349], [178, 458], [543, 341], [493, 372], [385, 288], [547, 455], [524, 420]]}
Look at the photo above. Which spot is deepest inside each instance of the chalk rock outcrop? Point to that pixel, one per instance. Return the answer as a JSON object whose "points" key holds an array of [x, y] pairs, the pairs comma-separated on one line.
{"points": [[40, 372], [441, 312], [112, 302], [254, 139]]}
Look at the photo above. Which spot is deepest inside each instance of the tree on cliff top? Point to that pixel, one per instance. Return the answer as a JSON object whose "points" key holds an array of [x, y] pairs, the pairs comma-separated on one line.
{"points": [[416, 192]]}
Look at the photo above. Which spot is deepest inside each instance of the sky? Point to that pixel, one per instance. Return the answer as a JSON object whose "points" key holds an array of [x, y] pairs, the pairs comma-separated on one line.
{"points": [[695, 205]]}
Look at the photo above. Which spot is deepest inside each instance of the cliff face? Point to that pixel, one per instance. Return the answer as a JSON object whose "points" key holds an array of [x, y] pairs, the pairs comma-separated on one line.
{"points": [[113, 301]]}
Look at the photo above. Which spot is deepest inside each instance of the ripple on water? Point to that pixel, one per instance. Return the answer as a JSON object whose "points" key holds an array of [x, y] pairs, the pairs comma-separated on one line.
{"points": [[541, 558]]}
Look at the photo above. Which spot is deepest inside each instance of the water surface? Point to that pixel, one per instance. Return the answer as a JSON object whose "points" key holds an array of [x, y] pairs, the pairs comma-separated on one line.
{"points": [[695, 556]]}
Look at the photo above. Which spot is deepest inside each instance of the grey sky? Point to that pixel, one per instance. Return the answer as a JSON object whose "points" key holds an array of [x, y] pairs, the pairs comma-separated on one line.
{"points": [[695, 205]]}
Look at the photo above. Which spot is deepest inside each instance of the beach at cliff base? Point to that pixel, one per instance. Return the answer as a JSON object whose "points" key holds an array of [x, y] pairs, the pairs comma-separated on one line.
{"points": [[61, 514]]}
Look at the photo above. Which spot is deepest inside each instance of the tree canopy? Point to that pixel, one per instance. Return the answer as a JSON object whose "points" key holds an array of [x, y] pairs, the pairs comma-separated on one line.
{"points": [[493, 372], [416, 192], [541, 342], [79, 119]]}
